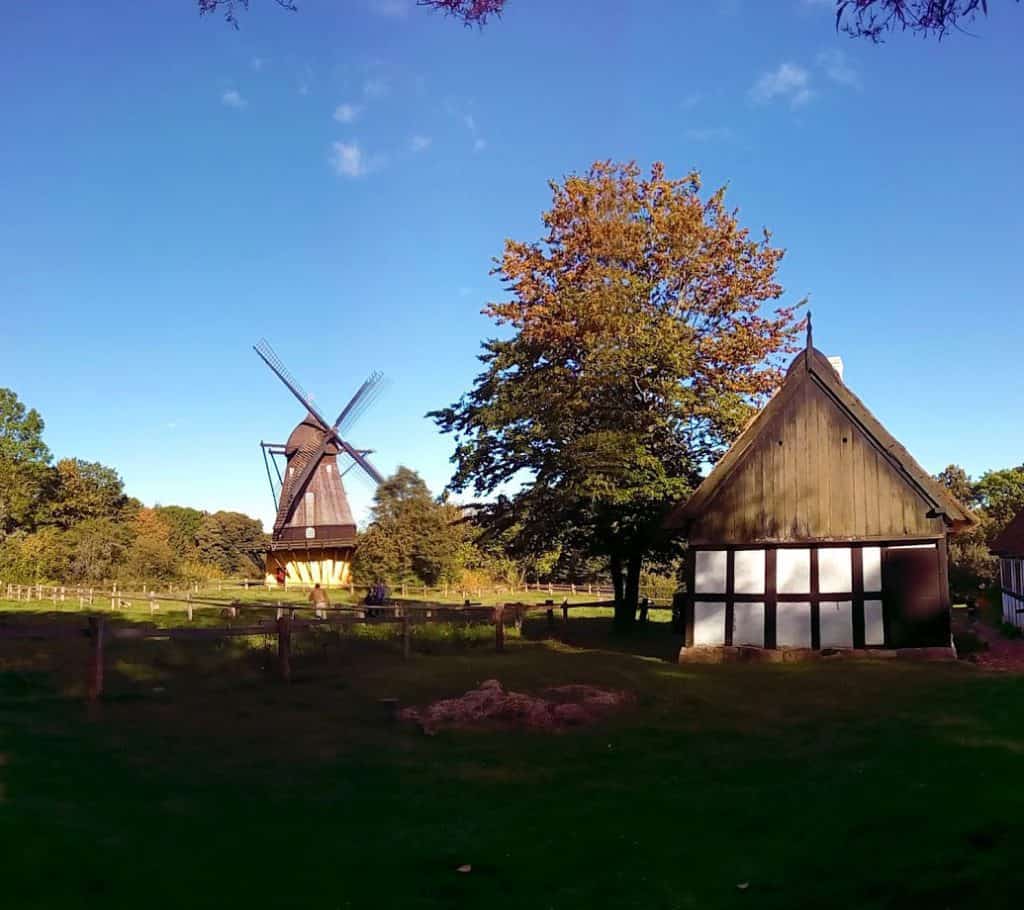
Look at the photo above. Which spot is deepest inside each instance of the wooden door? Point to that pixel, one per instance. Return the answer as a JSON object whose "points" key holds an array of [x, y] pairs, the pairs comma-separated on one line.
{"points": [[916, 615]]}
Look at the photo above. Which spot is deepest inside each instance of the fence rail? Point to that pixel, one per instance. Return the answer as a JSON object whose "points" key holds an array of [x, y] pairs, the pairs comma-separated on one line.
{"points": [[99, 632], [39, 591]]}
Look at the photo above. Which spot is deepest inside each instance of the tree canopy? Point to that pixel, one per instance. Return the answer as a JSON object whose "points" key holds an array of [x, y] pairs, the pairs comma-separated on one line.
{"points": [[73, 522], [469, 12], [873, 19], [996, 497], [411, 536], [640, 343]]}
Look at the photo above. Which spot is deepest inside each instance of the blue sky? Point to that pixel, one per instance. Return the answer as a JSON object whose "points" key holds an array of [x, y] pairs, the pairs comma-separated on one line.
{"points": [[340, 178]]}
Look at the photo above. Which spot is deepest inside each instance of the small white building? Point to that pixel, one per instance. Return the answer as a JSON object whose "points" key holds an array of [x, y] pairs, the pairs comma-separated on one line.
{"points": [[1009, 547]]}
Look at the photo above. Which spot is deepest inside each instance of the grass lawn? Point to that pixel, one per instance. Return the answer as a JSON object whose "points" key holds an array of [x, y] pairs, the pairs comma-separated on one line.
{"points": [[201, 781]]}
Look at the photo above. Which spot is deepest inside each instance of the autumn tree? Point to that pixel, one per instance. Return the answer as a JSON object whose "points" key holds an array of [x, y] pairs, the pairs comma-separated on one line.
{"points": [[873, 19], [639, 344]]}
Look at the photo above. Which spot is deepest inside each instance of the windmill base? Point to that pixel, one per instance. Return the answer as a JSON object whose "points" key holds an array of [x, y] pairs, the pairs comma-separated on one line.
{"points": [[330, 568]]}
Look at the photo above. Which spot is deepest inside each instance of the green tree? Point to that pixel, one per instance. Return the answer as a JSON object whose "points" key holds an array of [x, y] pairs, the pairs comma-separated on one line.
{"points": [[84, 490], [183, 524], [411, 536], [1001, 495], [639, 346], [25, 476], [99, 550], [996, 498], [231, 542]]}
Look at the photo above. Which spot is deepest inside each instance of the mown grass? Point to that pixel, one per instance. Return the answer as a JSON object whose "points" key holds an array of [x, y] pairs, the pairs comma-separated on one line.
{"points": [[201, 780]]}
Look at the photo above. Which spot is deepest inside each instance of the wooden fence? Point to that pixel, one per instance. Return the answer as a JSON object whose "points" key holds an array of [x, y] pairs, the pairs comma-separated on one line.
{"points": [[98, 631], [46, 591]]}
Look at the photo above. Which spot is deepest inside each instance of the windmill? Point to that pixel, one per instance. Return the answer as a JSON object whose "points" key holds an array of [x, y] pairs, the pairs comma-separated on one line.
{"points": [[314, 534]]}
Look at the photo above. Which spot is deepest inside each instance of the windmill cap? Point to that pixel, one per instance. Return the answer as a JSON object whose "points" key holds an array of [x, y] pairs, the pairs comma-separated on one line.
{"points": [[308, 432]]}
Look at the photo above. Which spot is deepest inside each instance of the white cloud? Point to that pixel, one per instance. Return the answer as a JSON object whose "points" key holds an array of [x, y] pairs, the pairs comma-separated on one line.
{"points": [[393, 9], [787, 82], [346, 113], [376, 88], [469, 122], [709, 134], [306, 80], [348, 159], [233, 98], [838, 68], [420, 143]]}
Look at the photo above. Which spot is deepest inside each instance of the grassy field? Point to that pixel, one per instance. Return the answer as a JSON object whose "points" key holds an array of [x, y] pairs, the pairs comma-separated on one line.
{"points": [[202, 781]]}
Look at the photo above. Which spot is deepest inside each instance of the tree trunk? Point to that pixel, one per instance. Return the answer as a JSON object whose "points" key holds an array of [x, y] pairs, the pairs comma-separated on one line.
{"points": [[632, 592], [627, 591], [615, 566]]}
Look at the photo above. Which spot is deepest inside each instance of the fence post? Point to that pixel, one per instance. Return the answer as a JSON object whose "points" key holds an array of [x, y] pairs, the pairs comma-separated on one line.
{"points": [[284, 647], [96, 629], [499, 628], [551, 589], [188, 605], [406, 635], [53, 594], [152, 603]]}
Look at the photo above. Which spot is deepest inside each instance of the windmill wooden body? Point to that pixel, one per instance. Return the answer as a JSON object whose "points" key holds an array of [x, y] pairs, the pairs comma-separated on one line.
{"points": [[314, 534]]}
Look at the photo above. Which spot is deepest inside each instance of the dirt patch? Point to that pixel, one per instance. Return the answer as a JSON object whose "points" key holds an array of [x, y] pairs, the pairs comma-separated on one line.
{"points": [[996, 652], [492, 707]]}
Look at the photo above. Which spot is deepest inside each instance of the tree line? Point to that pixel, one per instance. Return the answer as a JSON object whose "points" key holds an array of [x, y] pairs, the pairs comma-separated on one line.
{"points": [[71, 521], [995, 498]]}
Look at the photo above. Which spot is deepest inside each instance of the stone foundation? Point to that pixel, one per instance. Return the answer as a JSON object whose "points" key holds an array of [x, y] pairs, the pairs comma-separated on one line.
{"points": [[747, 654]]}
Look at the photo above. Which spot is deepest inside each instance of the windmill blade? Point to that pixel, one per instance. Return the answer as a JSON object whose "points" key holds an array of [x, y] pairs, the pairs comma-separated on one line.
{"points": [[269, 356], [312, 458], [350, 410], [364, 404], [358, 458]]}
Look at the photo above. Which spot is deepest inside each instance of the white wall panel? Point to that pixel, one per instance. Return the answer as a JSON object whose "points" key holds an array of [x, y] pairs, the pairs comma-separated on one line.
{"points": [[874, 623], [793, 571], [836, 624], [709, 574], [708, 623], [749, 572], [872, 568], [835, 570], [793, 625], [748, 624]]}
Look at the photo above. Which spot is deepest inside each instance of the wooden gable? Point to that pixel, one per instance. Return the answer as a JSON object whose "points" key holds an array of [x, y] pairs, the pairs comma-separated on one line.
{"points": [[815, 464]]}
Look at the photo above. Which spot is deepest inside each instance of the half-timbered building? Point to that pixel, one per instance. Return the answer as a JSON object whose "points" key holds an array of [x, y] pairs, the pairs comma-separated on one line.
{"points": [[817, 530], [1009, 548]]}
